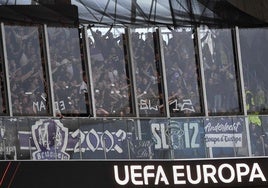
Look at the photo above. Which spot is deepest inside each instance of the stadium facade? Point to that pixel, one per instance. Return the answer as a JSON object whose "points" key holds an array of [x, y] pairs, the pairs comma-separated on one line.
{"points": [[151, 81]]}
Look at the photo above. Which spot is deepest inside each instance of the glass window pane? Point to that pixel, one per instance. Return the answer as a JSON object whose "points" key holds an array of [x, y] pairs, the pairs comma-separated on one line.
{"points": [[110, 72], [3, 96], [27, 70], [68, 74], [254, 45], [220, 71], [148, 72], [181, 71]]}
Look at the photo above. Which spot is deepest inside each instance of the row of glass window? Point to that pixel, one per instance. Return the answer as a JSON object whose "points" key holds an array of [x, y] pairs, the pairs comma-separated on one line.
{"points": [[100, 71]]}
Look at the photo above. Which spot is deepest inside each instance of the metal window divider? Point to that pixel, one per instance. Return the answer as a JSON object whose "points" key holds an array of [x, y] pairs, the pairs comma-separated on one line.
{"points": [[50, 79], [6, 69], [9, 102], [89, 71], [165, 89], [242, 84], [134, 85], [203, 84]]}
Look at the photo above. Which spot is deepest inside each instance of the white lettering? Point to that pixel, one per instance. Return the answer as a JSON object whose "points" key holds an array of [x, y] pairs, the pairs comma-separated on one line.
{"points": [[135, 174], [155, 127], [232, 173], [187, 174], [211, 174], [116, 174], [177, 174], [161, 176], [198, 174], [148, 175], [36, 105], [161, 142], [241, 173], [42, 106], [163, 136], [256, 173]]}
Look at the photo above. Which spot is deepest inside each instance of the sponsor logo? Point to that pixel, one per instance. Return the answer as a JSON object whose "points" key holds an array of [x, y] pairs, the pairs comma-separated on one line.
{"points": [[187, 174]]}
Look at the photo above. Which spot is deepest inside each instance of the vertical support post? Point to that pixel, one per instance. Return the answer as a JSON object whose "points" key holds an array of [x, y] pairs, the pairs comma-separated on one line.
{"points": [[50, 79], [89, 71], [134, 86], [9, 106], [163, 68], [165, 89], [202, 72], [203, 84], [242, 85]]}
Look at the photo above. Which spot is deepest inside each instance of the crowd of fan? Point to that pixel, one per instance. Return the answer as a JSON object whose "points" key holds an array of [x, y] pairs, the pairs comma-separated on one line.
{"points": [[182, 74], [27, 70], [220, 73], [68, 72], [110, 74], [147, 73]]}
